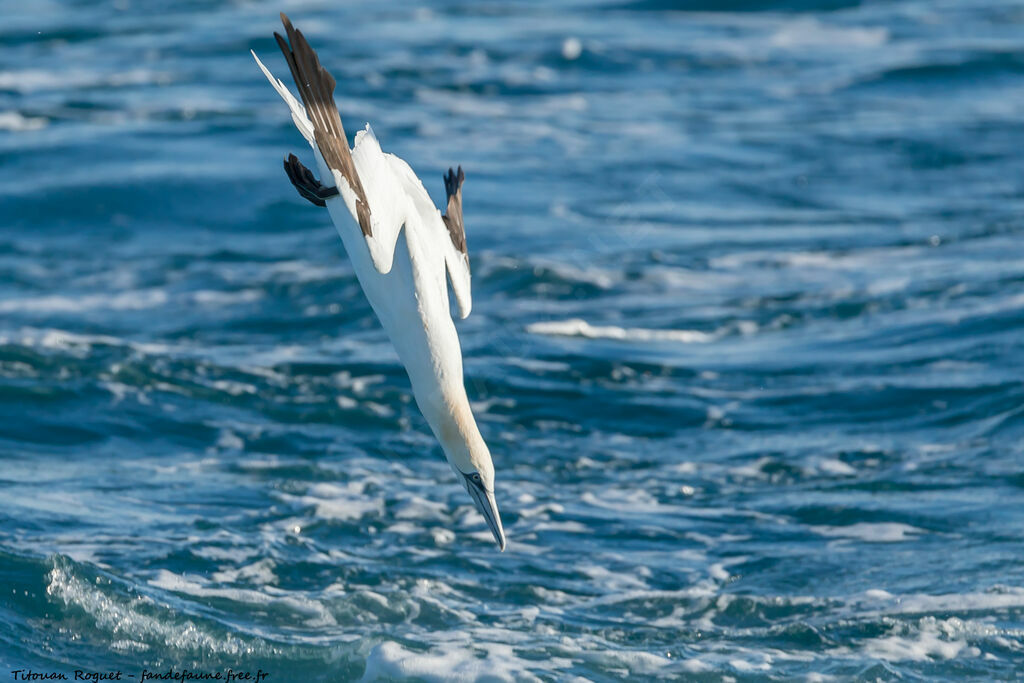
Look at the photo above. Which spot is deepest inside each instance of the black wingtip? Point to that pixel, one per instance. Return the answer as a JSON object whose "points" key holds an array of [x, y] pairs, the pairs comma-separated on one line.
{"points": [[453, 180], [284, 47]]}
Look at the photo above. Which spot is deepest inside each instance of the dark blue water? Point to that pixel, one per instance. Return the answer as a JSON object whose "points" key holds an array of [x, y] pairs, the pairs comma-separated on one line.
{"points": [[746, 344]]}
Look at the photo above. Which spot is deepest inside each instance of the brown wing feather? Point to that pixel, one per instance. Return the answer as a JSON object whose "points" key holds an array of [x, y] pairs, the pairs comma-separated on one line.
{"points": [[316, 86], [453, 214]]}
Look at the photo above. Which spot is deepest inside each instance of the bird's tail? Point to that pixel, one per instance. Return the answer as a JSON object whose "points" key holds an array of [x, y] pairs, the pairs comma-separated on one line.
{"points": [[302, 121]]}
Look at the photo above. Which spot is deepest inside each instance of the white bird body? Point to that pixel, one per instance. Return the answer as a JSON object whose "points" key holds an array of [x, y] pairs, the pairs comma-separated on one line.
{"points": [[403, 263], [411, 299]]}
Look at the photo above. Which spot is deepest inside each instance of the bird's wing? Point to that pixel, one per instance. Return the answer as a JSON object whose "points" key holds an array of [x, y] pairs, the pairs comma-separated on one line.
{"points": [[457, 257], [453, 212], [439, 229], [316, 86], [320, 123]]}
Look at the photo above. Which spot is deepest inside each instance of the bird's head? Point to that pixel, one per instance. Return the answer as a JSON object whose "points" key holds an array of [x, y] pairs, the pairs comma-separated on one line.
{"points": [[472, 465]]}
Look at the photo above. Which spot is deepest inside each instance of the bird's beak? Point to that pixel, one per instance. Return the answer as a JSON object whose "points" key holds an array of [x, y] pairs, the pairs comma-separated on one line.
{"points": [[485, 503]]}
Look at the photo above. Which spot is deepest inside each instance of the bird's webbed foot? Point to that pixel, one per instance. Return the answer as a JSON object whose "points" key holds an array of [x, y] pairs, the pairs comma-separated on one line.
{"points": [[306, 183]]}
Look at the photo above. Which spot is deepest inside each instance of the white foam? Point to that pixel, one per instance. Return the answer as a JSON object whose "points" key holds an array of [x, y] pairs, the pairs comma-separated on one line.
{"points": [[835, 466], [542, 510], [221, 298], [442, 536], [808, 32], [336, 502], [572, 48], [229, 440], [234, 388], [431, 590], [753, 470], [533, 366], [358, 384], [71, 341], [932, 638], [694, 666], [422, 510], [121, 391], [194, 585], [718, 572], [576, 327], [17, 122], [314, 613], [125, 301], [879, 532], [213, 552], [260, 573], [612, 581], [446, 662], [744, 665], [1002, 598], [28, 80]]}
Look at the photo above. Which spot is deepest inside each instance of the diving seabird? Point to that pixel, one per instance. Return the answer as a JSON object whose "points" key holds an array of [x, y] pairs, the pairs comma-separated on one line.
{"points": [[402, 272]]}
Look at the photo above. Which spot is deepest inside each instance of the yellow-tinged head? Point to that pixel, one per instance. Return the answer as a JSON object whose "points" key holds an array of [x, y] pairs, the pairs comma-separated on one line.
{"points": [[470, 458]]}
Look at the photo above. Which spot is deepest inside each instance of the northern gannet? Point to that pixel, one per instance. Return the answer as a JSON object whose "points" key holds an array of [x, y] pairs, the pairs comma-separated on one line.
{"points": [[404, 273]]}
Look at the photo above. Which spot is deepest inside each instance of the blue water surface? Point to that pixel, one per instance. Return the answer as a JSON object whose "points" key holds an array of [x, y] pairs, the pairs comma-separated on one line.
{"points": [[747, 344]]}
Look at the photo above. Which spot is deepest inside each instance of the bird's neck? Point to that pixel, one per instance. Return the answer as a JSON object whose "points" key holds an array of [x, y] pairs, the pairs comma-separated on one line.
{"points": [[452, 422]]}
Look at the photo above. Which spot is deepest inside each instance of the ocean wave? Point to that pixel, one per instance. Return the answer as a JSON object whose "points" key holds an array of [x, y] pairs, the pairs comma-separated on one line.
{"points": [[581, 328], [137, 622]]}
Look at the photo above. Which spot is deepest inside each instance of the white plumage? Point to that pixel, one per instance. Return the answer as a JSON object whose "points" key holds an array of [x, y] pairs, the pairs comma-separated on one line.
{"points": [[403, 265]]}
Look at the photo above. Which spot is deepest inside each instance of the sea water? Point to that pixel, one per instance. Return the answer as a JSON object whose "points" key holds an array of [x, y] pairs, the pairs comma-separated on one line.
{"points": [[746, 345]]}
